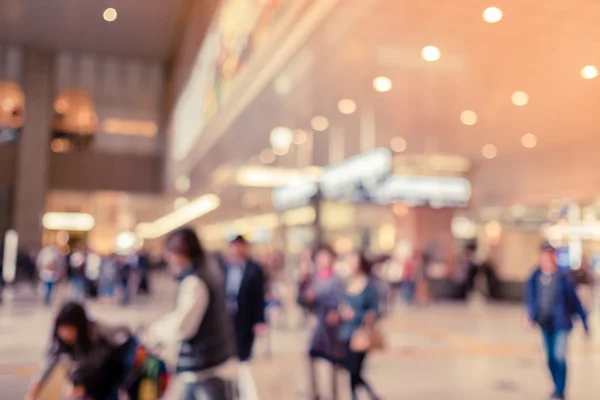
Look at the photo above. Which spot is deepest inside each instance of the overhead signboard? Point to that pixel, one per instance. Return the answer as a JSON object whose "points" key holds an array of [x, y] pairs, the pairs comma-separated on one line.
{"points": [[421, 190], [354, 179], [294, 196]]}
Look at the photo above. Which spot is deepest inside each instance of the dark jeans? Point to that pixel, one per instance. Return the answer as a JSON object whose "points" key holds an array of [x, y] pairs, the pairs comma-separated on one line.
{"points": [[210, 389], [409, 289], [555, 344], [48, 289], [244, 339], [354, 364]]}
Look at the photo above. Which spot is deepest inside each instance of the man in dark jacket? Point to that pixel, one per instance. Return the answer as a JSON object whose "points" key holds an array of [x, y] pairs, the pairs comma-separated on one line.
{"points": [[552, 302], [245, 288]]}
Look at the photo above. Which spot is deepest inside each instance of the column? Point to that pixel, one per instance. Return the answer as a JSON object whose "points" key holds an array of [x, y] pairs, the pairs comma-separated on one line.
{"points": [[426, 229], [33, 148]]}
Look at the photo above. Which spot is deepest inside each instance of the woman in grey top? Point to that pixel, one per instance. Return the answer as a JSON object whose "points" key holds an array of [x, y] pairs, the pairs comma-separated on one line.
{"points": [[323, 295]]}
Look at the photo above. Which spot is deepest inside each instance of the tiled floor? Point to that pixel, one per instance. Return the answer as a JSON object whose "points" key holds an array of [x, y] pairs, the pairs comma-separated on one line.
{"points": [[446, 351]]}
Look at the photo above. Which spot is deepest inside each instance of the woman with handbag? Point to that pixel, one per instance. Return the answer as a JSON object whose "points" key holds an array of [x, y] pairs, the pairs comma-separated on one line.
{"points": [[322, 295], [359, 315]]}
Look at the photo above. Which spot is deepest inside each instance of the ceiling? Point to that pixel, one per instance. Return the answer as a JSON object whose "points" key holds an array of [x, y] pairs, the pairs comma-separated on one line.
{"points": [[143, 29], [538, 47]]}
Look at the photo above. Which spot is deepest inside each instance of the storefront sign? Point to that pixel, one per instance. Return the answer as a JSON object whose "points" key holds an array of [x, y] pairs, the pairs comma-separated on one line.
{"points": [[294, 196], [418, 190], [355, 179]]}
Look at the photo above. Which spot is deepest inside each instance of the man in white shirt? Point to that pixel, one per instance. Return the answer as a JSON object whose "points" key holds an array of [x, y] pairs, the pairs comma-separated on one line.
{"points": [[206, 365]]}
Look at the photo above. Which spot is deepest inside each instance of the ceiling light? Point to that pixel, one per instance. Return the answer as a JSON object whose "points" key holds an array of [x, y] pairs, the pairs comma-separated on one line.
{"points": [[347, 106], [281, 151], [382, 84], [78, 222], [398, 144], [182, 184], [7, 104], [186, 214], [468, 117], [180, 202], [60, 145], [319, 123], [589, 72], [125, 241], [61, 106], [281, 138], [529, 140], [300, 136], [493, 231], [267, 156], [110, 14], [489, 151], [492, 15], [520, 98], [430, 53]]}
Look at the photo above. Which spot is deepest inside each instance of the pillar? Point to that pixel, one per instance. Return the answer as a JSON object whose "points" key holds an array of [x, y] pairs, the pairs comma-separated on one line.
{"points": [[33, 148], [428, 229]]}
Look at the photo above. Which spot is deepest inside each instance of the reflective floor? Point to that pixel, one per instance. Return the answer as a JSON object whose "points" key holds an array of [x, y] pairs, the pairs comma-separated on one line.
{"points": [[445, 351]]}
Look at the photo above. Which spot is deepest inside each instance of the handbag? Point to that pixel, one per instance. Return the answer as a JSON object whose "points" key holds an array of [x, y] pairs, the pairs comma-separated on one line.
{"points": [[366, 339]]}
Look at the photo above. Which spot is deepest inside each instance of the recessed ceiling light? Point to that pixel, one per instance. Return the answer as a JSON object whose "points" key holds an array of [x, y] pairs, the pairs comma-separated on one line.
{"points": [[347, 106], [110, 14], [281, 151], [430, 53], [529, 140], [382, 84], [520, 98], [589, 72], [398, 144], [7, 104], [300, 136], [267, 156], [281, 137], [489, 151], [492, 15], [319, 123], [468, 117]]}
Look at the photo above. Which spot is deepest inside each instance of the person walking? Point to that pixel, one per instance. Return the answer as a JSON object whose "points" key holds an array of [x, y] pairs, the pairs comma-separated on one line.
{"points": [[360, 311], [206, 365], [245, 286], [76, 267], [50, 269], [552, 302], [323, 295]]}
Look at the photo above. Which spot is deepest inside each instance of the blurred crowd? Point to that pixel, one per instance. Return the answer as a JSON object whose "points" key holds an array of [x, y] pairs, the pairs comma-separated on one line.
{"points": [[88, 274]]}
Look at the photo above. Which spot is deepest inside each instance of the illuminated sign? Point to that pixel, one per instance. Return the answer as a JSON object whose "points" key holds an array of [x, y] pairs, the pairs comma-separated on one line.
{"points": [[437, 192], [294, 196], [117, 126], [355, 178], [56, 221]]}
